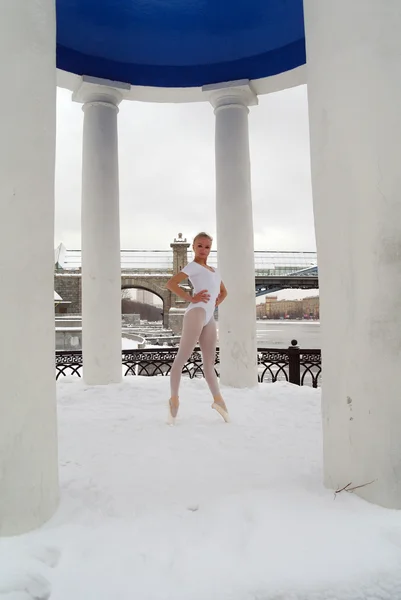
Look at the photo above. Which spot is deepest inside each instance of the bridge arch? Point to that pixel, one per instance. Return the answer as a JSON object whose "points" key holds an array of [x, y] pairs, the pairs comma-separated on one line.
{"points": [[153, 285]]}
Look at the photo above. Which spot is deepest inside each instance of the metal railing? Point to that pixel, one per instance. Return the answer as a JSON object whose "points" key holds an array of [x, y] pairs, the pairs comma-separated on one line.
{"points": [[293, 364]]}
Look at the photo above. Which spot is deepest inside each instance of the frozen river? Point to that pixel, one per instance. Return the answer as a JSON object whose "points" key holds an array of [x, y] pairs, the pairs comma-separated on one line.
{"points": [[278, 334]]}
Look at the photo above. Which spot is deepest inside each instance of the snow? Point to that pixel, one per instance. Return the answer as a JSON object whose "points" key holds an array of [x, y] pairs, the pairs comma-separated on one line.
{"points": [[203, 510], [128, 344]]}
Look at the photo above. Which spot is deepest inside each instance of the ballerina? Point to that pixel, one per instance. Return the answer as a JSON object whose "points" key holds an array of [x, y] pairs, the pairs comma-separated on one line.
{"points": [[198, 323]]}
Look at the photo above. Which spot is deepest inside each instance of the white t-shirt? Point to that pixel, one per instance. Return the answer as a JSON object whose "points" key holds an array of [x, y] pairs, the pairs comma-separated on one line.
{"points": [[203, 279]]}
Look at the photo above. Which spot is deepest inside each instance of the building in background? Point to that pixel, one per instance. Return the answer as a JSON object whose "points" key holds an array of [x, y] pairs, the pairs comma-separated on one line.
{"points": [[272, 308], [310, 307], [261, 310], [270, 302]]}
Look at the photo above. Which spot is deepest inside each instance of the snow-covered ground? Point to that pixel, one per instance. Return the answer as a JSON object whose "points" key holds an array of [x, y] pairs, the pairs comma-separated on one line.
{"points": [[128, 344], [203, 510]]}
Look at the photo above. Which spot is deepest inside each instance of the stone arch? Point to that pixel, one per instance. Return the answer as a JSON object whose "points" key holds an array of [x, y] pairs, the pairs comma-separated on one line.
{"points": [[153, 285]]}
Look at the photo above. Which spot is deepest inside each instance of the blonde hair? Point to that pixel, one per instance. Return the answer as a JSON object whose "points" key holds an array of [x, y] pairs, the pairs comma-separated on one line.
{"points": [[202, 234]]}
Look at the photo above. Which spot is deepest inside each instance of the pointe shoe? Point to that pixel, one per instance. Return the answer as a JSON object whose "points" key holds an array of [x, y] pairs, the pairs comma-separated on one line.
{"points": [[221, 408], [172, 412]]}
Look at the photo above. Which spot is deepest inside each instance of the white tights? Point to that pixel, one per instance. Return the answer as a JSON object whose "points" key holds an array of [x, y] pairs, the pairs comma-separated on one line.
{"points": [[194, 330]]}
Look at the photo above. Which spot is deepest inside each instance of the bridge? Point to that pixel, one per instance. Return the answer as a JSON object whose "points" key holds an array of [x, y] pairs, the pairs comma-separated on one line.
{"points": [[151, 269]]}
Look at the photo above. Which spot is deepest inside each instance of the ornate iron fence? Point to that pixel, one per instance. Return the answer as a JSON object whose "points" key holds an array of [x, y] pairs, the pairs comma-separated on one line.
{"points": [[301, 367]]}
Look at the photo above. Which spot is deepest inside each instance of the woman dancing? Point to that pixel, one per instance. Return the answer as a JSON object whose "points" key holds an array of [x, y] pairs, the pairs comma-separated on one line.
{"points": [[198, 324]]}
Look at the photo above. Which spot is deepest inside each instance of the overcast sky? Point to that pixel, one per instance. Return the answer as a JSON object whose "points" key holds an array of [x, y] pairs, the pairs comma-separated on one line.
{"points": [[166, 155]]}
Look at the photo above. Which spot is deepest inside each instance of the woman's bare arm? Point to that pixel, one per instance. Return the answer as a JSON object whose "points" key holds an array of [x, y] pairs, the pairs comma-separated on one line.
{"points": [[222, 295], [173, 286]]}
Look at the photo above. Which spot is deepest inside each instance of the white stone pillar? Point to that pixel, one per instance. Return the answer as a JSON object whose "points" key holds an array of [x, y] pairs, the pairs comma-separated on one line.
{"points": [[354, 87], [28, 431], [235, 245], [101, 263]]}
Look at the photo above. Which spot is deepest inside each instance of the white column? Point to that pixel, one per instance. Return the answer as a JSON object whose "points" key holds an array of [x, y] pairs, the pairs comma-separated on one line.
{"points": [[28, 432], [354, 87], [237, 315], [101, 263]]}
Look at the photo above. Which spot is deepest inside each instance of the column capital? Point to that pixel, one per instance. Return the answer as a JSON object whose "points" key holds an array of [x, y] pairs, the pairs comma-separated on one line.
{"points": [[92, 90], [231, 93]]}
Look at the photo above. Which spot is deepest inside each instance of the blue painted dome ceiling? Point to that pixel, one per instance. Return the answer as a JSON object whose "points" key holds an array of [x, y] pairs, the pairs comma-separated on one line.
{"points": [[179, 43]]}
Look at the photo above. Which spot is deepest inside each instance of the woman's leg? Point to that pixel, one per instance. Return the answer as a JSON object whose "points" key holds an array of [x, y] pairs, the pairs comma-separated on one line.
{"points": [[192, 326], [207, 342]]}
